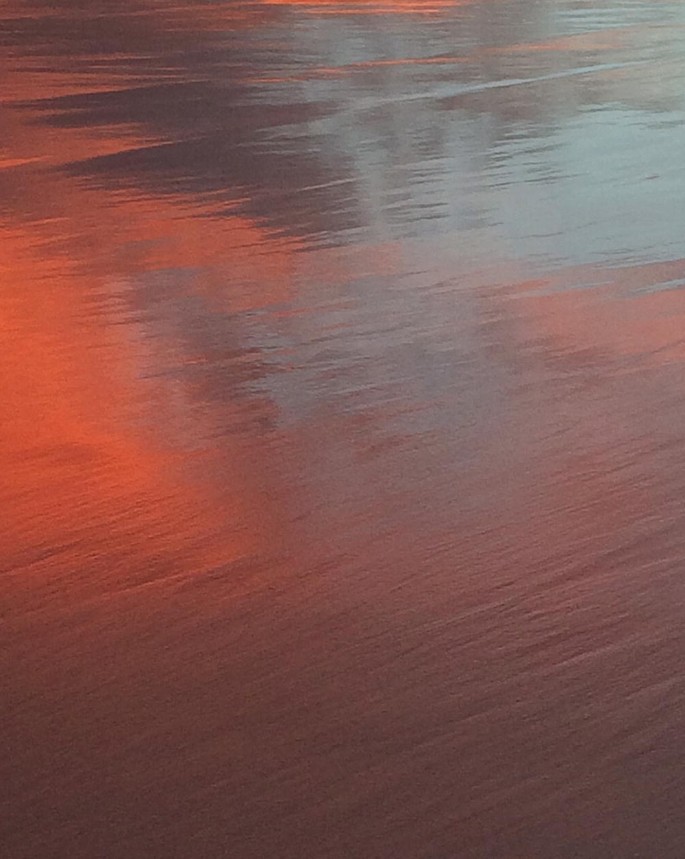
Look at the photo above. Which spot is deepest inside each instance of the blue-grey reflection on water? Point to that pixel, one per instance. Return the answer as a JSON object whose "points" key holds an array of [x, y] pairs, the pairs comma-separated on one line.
{"points": [[343, 400]]}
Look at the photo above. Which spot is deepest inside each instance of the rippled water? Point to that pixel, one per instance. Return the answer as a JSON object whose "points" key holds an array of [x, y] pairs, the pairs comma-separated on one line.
{"points": [[343, 422]]}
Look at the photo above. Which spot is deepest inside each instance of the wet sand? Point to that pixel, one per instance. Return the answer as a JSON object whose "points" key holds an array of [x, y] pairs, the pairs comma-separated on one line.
{"points": [[342, 418]]}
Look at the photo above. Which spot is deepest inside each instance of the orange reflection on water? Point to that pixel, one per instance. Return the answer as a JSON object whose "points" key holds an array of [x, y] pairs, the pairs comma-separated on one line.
{"points": [[634, 312], [374, 7], [84, 483], [98, 496]]}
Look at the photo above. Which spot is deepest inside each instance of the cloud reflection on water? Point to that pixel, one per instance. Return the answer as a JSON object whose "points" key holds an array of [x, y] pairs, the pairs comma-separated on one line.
{"points": [[343, 373]]}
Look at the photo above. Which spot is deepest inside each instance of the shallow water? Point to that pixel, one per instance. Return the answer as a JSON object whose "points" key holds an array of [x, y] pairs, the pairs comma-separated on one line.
{"points": [[342, 429]]}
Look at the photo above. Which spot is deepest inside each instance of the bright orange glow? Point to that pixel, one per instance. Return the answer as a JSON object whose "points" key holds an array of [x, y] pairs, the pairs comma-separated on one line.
{"points": [[84, 437]]}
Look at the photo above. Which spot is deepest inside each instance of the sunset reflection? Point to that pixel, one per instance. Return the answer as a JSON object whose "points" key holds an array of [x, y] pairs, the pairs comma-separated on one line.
{"points": [[343, 392], [89, 470], [92, 431]]}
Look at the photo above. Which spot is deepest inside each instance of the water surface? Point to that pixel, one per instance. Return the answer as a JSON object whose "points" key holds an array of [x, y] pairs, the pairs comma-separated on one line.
{"points": [[342, 429]]}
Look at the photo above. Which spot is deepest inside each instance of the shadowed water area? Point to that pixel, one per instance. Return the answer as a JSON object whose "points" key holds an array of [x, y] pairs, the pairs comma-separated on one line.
{"points": [[342, 429]]}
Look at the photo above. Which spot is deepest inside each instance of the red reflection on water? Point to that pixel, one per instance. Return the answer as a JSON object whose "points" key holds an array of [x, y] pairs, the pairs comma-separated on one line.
{"points": [[84, 485], [631, 311], [96, 495], [374, 7]]}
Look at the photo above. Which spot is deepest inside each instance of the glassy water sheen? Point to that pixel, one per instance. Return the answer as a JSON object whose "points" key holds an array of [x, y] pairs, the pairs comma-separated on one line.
{"points": [[342, 429]]}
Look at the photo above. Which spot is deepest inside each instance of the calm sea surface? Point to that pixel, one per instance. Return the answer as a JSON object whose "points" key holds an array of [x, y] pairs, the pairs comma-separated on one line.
{"points": [[342, 429]]}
